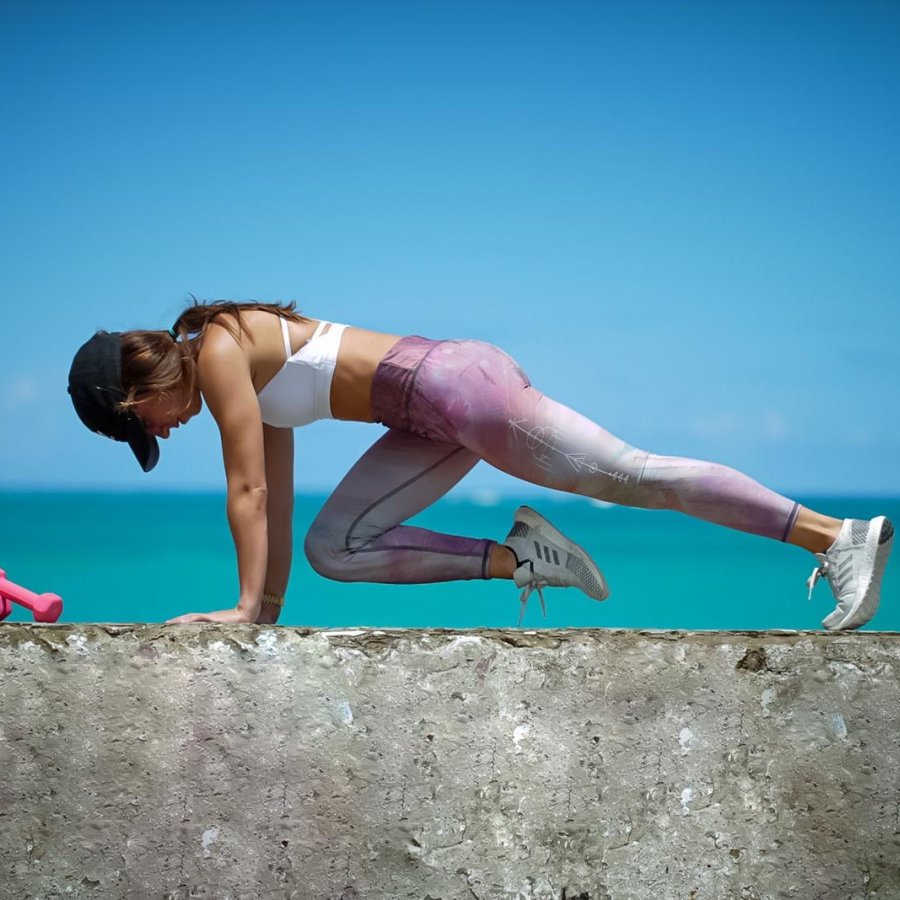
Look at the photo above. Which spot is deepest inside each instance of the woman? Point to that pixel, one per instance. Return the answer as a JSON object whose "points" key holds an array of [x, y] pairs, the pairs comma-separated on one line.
{"points": [[263, 369]]}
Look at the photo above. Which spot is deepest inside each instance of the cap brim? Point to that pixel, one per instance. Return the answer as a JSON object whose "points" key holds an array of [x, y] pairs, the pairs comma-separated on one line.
{"points": [[95, 386], [144, 446]]}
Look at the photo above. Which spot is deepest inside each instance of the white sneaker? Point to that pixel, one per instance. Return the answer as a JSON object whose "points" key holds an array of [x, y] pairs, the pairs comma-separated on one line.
{"points": [[547, 558], [853, 565]]}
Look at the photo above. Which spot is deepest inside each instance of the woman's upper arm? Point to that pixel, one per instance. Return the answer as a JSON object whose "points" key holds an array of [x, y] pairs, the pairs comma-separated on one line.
{"points": [[227, 387]]}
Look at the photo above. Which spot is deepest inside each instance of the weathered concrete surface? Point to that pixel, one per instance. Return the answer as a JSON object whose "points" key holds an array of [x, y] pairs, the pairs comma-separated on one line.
{"points": [[205, 761]]}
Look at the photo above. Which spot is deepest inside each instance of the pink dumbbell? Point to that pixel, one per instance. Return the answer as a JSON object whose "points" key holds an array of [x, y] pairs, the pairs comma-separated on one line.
{"points": [[44, 607]]}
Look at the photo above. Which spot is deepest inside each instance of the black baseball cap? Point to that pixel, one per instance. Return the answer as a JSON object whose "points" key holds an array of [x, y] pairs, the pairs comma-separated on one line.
{"points": [[95, 386]]}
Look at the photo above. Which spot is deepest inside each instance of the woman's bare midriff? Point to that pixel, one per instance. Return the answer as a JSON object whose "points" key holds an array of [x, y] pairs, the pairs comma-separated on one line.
{"points": [[351, 387]]}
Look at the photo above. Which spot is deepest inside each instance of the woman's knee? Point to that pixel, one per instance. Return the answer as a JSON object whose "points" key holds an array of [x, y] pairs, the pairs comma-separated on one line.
{"points": [[621, 480], [639, 478], [662, 481], [327, 554]]}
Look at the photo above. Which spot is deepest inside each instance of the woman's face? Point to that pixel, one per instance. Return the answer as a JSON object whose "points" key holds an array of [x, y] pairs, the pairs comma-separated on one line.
{"points": [[160, 415]]}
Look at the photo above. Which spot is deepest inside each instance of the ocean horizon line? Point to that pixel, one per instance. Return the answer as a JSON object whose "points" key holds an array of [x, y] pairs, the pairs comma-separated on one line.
{"points": [[483, 495]]}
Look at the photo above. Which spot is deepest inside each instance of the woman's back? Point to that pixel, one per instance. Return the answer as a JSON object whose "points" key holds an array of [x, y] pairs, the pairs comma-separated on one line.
{"points": [[292, 362]]}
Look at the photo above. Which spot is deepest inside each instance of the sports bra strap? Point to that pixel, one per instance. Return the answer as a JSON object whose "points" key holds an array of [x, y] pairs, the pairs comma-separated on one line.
{"points": [[286, 335]]}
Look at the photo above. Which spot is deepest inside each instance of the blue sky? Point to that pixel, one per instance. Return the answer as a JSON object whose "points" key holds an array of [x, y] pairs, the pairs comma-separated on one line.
{"points": [[683, 219]]}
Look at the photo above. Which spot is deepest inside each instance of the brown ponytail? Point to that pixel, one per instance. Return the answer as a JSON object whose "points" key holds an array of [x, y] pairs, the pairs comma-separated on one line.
{"points": [[155, 363]]}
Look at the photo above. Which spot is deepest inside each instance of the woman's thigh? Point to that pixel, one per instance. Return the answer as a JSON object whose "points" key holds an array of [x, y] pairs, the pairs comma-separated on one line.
{"points": [[476, 395]]}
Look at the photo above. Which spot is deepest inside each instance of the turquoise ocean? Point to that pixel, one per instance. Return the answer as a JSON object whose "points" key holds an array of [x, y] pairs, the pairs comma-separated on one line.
{"points": [[117, 557]]}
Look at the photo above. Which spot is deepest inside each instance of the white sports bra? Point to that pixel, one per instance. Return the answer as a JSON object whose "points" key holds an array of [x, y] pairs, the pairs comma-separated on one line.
{"points": [[300, 391]]}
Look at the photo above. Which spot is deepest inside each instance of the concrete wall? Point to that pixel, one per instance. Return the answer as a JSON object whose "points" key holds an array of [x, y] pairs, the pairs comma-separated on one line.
{"points": [[220, 762]]}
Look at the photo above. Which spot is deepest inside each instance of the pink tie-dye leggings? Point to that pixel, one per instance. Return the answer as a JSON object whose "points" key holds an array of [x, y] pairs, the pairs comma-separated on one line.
{"points": [[447, 405]]}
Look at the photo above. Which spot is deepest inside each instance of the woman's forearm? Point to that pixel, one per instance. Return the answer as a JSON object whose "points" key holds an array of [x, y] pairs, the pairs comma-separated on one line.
{"points": [[280, 550], [278, 569], [247, 519]]}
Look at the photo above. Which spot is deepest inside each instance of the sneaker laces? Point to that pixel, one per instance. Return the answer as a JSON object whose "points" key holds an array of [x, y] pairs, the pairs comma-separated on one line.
{"points": [[534, 583], [837, 578], [822, 571]]}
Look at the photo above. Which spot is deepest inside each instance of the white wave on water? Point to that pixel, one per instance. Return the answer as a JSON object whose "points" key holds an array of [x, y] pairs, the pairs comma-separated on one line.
{"points": [[485, 497]]}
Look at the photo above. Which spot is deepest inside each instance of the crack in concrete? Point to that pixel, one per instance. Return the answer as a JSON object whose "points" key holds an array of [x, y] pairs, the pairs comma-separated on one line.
{"points": [[442, 847], [402, 815], [181, 867]]}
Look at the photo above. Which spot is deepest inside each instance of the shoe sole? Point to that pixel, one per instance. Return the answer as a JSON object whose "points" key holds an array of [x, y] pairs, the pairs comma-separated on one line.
{"points": [[882, 531], [533, 519]]}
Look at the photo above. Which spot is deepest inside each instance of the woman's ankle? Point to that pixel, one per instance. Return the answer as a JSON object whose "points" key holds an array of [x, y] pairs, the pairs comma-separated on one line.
{"points": [[813, 531], [502, 563]]}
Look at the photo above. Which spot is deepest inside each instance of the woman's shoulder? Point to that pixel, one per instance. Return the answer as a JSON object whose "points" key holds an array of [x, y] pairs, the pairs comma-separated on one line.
{"points": [[219, 346], [257, 345]]}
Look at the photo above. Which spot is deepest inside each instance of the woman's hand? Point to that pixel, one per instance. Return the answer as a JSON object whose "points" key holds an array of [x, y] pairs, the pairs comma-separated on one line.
{"points": [[228, 616]]}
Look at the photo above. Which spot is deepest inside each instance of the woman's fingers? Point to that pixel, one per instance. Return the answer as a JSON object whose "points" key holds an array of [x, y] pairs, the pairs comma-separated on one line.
{"points": [[188, 617]]}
